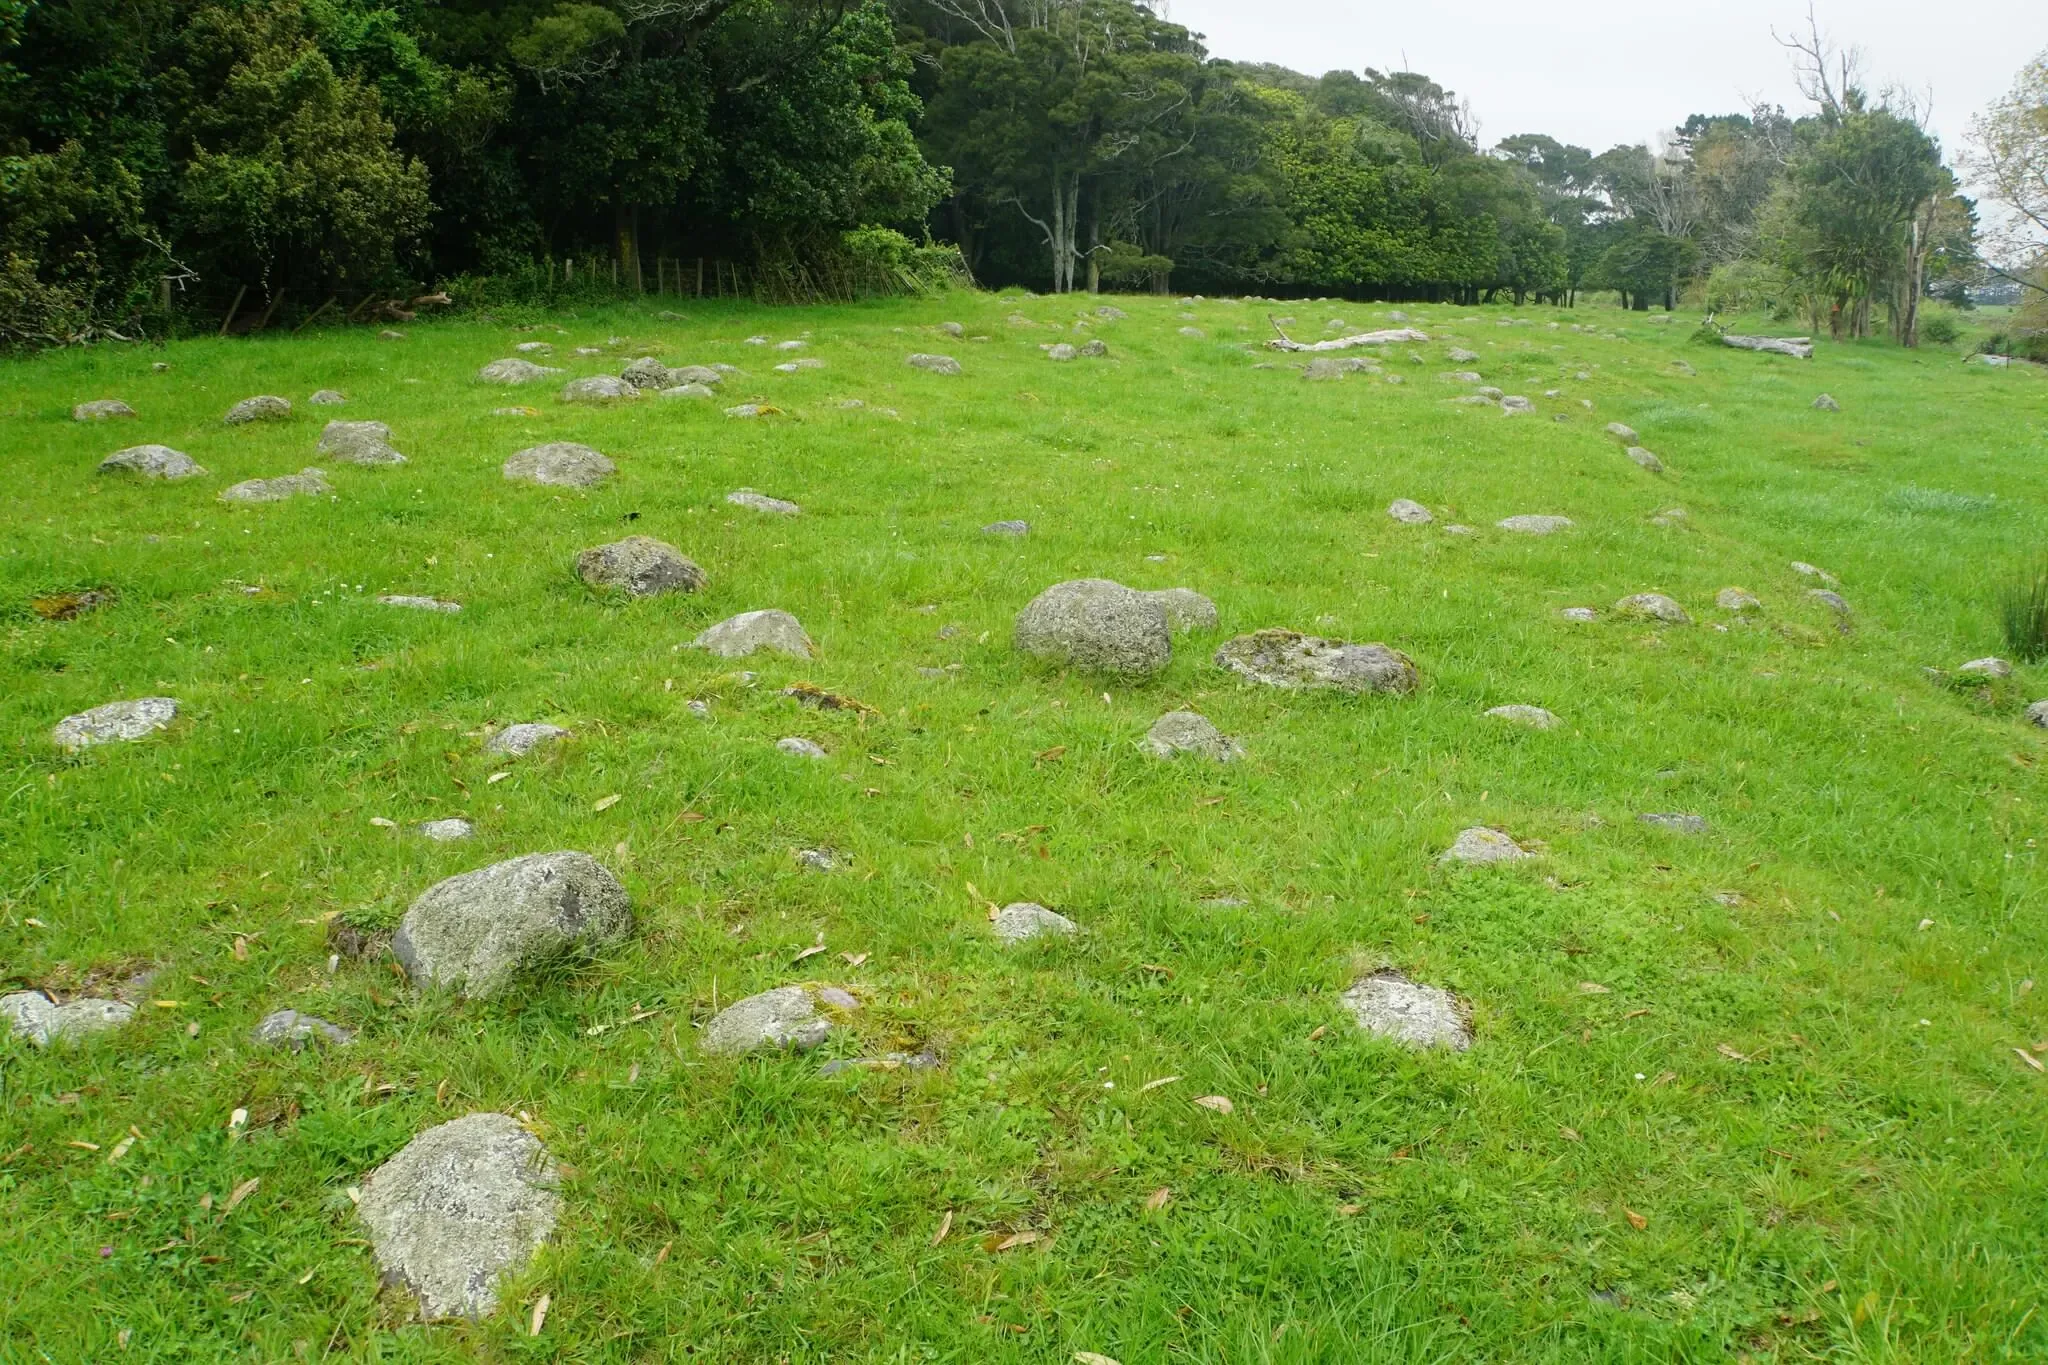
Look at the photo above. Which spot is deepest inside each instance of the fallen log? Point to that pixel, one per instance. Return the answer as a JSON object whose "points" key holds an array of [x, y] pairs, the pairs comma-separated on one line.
{"points": [[1399, 334], [1799, 348]]}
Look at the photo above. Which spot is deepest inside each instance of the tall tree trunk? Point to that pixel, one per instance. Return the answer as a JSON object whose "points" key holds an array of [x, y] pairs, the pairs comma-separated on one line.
{"points": [[1916, 269], [626, 226], [1094, 241]]}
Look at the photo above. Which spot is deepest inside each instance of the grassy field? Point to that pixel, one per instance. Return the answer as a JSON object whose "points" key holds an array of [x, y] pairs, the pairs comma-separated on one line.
{"points": [[1746, 1095]]}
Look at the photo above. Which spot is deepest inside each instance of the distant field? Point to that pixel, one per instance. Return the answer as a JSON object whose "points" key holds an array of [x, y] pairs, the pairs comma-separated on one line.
{"points": [[1771, 1092]]}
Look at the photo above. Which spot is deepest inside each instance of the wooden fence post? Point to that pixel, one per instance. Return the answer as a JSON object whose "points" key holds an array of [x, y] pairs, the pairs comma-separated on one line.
{"points": [[233, 308]]}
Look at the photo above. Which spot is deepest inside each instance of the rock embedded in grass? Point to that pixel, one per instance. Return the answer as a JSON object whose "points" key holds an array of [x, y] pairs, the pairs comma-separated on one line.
{"points": [[517, 741], [289, 1028], [1985, 668], [598, 388], [1096, 348], [1024, 920], [327, 398], [100, 409], [1194, 333], [952, 329], [1408, 1012], [1463, 376], [458, 1209], [2037, 714], [454, 829], [1535, 717], [1007, 528], [559, 464], [479, 932], [1061, 351], [1652, 606], [1805, 570], [1830, 599], [639, 566], [1676, 821], [761, 502], [535, 348], [936, 364], [796, 746], [820, 859], [1620, 431], [1535, 525], [1187, 732], [1110, 311], [264, 407], [786, 1017], [364, 443], [648, 373], [739, 636], [42, 1022], [515, 372], [688, 391], [152, 462], [1458, 355], [1185, 609], [115, 722], [1289, 659], [1826, 403], [1513, 404], [420, 603], [1737, 600], [1409, 512], [1096, 625], [307, 483], [1646, 459], [1480, 846]]}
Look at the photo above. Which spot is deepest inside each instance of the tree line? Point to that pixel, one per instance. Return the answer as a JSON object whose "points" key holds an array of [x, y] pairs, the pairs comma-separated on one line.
{"points": [[166, 155]]}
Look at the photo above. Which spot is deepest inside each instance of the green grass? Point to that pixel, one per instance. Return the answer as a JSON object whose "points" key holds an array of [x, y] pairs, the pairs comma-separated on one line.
{"points": [[1863, 1181]]}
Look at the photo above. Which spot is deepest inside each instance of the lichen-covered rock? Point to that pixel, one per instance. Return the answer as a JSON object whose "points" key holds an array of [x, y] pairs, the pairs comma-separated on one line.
{"points": [[289, 1028], [1061, 351], [42, 1022], [598, 388], [1187, 732], [710, 376], [479, 932], [741, 635], [1408, 1012], [1646, 459], [1185, 609], [327, 398], [1024, 920], [1458, 355], [1652, 606], [2037, 714], [366, 443], [1675, 821], [515, 372], [784, 1017], [1098, 625], [448, 831], [559, 464], [1514, 403], [1830, 599], [648, 373], [936, 364], [100, 409], [1097, 347], [1535, 525], [639, 566], [1805, 570], [1985, 668], [1737, 600], [1621, 432], [309, 482], [458, 1209], [796, 746], [117, 721], [152, 462], [761, 502], [264, 407], [1578, 613], [1535, 717], [420, 603], [1409, 512], [1007, 528], [1289, 659], [1826, 403], [517, 741], [1480, 845]]}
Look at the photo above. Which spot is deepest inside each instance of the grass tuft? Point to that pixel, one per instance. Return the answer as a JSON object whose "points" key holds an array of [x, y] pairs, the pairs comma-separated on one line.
{"points": [[2023, 612]]}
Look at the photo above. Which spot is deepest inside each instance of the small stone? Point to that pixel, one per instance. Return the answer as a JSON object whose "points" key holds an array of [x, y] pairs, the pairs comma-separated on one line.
{"points": [[761, 502], [515, 412], [1195, 333], [2037, 714], [289, 1028], [747, 410], [1062, 351], [1480, 845], [459, 1208], [798, 747], [741, 635], [786, 1017], [364, 443], [1674, 821], [1464, 376], [1185, 609], [519, 740], [327, 398], [1460, 529], [1186, 732], [1110, 311], [1024, 920], [152, 462], [1409, 512], [936, 364], [1737, 600], [1289, 659], [1624, 434], [1578, 613], [1096, 624], [420, 603], [1985, 668], [791, 345], [1805, 570], [267, 407], [1096, 348], [1513, 403], [1646, 459], [1408, 1012], [1670, 516], [818, 859], [1535, 525], [1535, 717], [1652, 606], [699, 708], [454, 829], [708, 375], [1826, 403], [477, 933], [100, 409], [41, 1022], [116, 721], [687, 391], [1830, 599], [1457, 355], [389, 335], [515, 372], [309, 482], [535, 348], [559, 464], [952, 329], [639, 566], [1007, 528], [598, 388]]}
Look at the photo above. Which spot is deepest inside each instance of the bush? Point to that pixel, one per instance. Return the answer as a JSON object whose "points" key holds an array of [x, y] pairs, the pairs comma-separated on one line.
{"points": [[2023, 612], [35, 313], [1940, 329]]}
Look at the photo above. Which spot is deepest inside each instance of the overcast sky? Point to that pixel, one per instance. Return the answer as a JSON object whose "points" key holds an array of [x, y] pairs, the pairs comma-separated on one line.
{"points": [[1601, 72]]}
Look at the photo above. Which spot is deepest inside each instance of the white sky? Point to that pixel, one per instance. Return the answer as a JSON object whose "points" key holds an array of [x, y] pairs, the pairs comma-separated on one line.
{"points": [[1601, 72]]}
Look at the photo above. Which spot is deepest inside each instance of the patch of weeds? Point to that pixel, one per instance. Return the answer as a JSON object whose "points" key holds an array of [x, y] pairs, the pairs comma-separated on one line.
{"points": [[2023, 613], [1937, 502]]}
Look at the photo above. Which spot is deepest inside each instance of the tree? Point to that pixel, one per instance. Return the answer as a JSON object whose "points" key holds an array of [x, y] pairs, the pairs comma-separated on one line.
{"points": [[2009, 156]]}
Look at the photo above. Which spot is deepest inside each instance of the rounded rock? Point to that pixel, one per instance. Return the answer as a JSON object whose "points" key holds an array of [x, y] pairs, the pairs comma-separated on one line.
{"points": [[327, 398], [1415, 1015], [1007, 528], [741, 635], [420, 603], [365, 443], [448, 831], [152, 462], [935, 364], [761, 502], [289, 1028], [1187, 732], [1535, 717], [1097, 625], [1535, 525], [639, 566], [115, 722], [264, 407], [477, 933], [1409, 512], [1024, 920], [786, 1017], [1737, 600], [1185, 609], [1646, 459], [1289, 659], [1652, 606], [559, 464], [1480, 846], [1985, 668], [100, 409], [515, 372], [517, 741], [798, 747], [307, 483], [35, 1018], [598, 388]]}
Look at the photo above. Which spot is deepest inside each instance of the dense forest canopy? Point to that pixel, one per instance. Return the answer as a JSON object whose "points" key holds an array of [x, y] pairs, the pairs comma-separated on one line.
{"points": [[198, 150]]}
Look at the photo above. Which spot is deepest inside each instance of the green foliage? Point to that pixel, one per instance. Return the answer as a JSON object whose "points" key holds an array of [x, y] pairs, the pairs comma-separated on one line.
{"points": [[2023, 613], [1940, 329]]}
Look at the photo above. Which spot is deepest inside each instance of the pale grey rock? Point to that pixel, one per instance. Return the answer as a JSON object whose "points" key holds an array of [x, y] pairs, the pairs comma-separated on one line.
{"points": [[307, 483], [1458, 355], [791, 345], [710, 376], [1185, 609], [1023, 920], [517, 741], [2037, 714], [598, 388], [1737, 600], [460, 1208], [1578, 613], [1463, 376], [1492, 394], [820, 859], [1110, 311], [1097, 347], [744, 410], [1535, 717], [1805, 570], [1098, 625], [1534, 525], [152, 462], [452, 830], [1653, 606], [1646, 459], [835, 997], [647, 373], [1619, 431], [1195, 333], [100, 409], [1409, 512], [1061, 351], [639, 566], [1830, 599], [479, 932], [761, 502], [786, 1017], [1514, 403], [1480, 845], [37, 1019], [364, 443], [798, 747], [389, 335], [327, 398], [1985, 668], [1670, 516], [289, 1028], [420, 603], [1289, 659], [1186, 732], [515, 372], [559, 464], [117, 721], [687, 391], [535, 348], [741, 635], [515, 412], [1676, 822], [1408, 1012], [952, 329], [1007, 528], [1826, 403], [936, 364], [264, 407]]}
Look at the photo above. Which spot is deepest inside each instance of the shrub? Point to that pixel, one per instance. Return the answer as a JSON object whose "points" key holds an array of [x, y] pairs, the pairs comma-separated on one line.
{"points": [[1940, 329], [2023, 612]]}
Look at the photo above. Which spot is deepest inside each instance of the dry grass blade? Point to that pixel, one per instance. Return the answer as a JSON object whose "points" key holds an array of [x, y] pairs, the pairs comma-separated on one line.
{"points": [[1094, 1358], [241, 1192], [1220, 1103], [1636, 1220], [540, 1315], [945, 1226], [2029, 1058], [1155, 1084], [1158, 1199]]}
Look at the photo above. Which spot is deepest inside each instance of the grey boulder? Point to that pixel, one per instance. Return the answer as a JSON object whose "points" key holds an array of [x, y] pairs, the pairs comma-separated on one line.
{"points": [[1646, 459], [559, 464], [515, 372], [1186, 732], [1624, 434], [1185, 609], [1652, 606], [1062, 351], [289, 1028], [100, 409], [478, 932], [359, 443], [741, 635], [1531, 525], [517, 741], [1985, 668], [152, 462], [307, 483], [1479, 846], [264, 407], [1097, 347], [1097, 625], [117, 721], [761, 502], [1409, 512], [1408, 1012], [598, 388], [936, 364], [786, 1017], [35, 1018], [648, 373], [639, 566], [1022, 920], [1535, 717], [1289, 659]]}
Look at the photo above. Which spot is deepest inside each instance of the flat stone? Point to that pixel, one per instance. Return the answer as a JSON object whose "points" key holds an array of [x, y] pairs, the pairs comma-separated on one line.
{"points": [[1185, 609], [1409, 512], [1653, 606], [117, 721], [152, 462], [1022, 920], [1289, 659], [35, 1018], [1805, 570], [517, 741], [687, 391], [1670, 516], [1095, 348], [100, 409], [1408, 1012], [1535, 717], [952, 329], [1464, 376], [639, 566], [1110, 311], [515, 412], [458, 1209], [289, 1028], [820, 859], [1098, 625], [1674, 821], [598, 388], [327, 398], [786, 1017], [1646, 459], [365, 443], [1195, 333], [1579, 613], [1007, 528], [307, 483], [479, 932], [936, 364], [1480, 845], [1186, 732], [1830, 599], [1985, 668], [1459, 529], [710, 376], [1620, 432], [264, 407], [1458, 355], [515, 372], [420, 603], [535, 348], [761, 502], [744, 410], [1514, 403], [1061, 351], [1535, 525], [1826, 403], [454, 829], [739, 636], [799, 747], [1737, 599]]}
